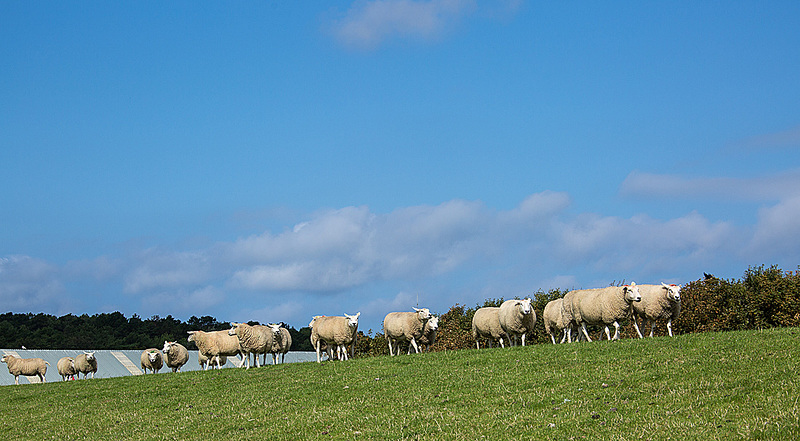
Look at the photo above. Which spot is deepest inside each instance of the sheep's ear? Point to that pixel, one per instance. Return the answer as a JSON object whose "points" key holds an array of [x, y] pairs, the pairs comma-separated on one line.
{"points": [[190, 332], [415, 309], [357, 314], [664, 285]]}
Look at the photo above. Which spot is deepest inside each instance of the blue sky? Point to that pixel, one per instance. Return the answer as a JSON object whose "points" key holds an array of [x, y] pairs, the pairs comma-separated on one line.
{"points": [[273, 161]]}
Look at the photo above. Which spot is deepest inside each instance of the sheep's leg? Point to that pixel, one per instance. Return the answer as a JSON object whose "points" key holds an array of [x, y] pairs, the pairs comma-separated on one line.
{"points": [[552, 338], [564, 335], [652, 327], [413, 343], [585, 333], [501, 343], [669, 327], [636, 325], [608, 334], [16, 380], [389, 340], [616, 330], [477, 344], [317, 348]]}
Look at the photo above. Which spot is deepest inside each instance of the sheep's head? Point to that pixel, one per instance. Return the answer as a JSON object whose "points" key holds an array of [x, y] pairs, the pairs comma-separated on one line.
{"points": [[433, 323], [6, 358], [673, 292], [153, 356], [276, 330], [352, 320], [234, 327], [167, 346], [89, 356], [314, 319], [423, 314], [632, 292], [525, 306], [191, 335]]}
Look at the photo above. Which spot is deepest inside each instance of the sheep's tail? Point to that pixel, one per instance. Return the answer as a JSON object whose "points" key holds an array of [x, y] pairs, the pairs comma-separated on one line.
{"points": [[45, 362]]}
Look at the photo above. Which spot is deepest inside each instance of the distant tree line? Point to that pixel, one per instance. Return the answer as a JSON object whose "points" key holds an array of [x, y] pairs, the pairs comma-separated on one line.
{"points": [[111, 331], [762, 298]]}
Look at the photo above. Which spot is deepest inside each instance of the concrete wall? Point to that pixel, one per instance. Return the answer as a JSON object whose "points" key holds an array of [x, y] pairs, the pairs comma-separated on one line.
{"points": [[113, 363]]}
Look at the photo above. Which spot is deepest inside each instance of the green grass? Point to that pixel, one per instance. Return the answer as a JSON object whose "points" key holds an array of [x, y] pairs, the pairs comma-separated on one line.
{"points": [[699, 386]]}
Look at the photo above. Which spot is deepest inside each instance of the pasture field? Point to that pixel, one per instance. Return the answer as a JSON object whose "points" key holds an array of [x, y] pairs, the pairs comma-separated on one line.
{"points": [[733, 385]]}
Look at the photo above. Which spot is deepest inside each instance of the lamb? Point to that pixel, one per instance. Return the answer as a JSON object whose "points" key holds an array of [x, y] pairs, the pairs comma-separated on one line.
{"points": [[428, 337], [217, 343], [554, 320], [253, 339], [203, 361], [486, 324], [658, 303], [151, 359], [517, 318], [281, 342], [603, 306], [175, 355], [86, 364], [26, 366], [336, 331], [66, 368], [405, 326]]}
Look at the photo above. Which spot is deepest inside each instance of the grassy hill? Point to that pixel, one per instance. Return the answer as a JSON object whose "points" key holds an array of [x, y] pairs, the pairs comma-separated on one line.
{"points": [[695, 386]]}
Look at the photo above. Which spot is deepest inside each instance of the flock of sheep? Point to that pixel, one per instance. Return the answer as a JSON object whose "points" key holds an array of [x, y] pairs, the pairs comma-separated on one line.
{"points": [[335, 336]]}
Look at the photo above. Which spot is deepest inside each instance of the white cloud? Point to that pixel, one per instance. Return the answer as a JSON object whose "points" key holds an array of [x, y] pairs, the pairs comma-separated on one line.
{"points": [[771, 141], [367, 24], [766, 188], [27, 283], [777, 232]]}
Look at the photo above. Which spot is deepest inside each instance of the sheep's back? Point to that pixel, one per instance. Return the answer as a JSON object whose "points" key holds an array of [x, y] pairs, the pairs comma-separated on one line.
{"points": [[402, 325], [486, 321]]}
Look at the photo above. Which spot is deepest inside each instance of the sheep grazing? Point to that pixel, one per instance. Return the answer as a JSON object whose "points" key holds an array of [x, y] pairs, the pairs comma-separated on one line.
{"points": [[281, 342], [253, 339], [428, 337], [175, 355], [203, 361], [517, 318], [658, 303], [603, 306], [86, 364], [486, 324], [26, 366], [405, 326], [151, 359], [215, 344], [554, 320], [336, 331], [66, 368]]}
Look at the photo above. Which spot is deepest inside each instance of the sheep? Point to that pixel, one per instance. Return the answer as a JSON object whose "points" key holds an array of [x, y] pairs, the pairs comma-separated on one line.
{"points": [[26, 366], [66, 368], [203, 361], [255, 339], [603, 306], [405, 326], [486, 323], [217, 343], [175, 355], [281, 342], [554, 320], [151, 359], [86, 364], [517, 317], [428, 337], [335, 331], [658, 302]]}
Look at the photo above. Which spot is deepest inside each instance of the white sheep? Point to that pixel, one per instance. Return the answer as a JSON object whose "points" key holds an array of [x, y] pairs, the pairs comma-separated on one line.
{"points": [[66, 368], [336, 331], [86, 364], [603, 306], [428, 337], [281, 342], [405, 326], [203, 361], [554, 320], [25, 366], [175, 355], [658, 303], [517, 318], [216, 343], [255, 340], [486, 324], [151, 359]]}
